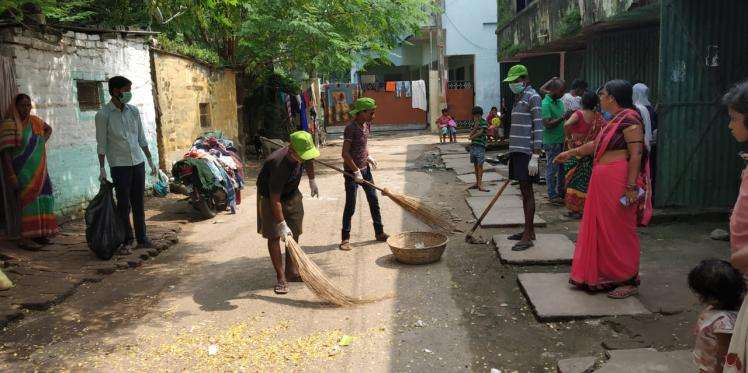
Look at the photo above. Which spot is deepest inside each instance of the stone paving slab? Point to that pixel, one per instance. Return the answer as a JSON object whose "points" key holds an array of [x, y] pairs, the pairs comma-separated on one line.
{"points": [[506, 212], [548, 249], [487, 177], [648, 360], [450, 156], [507, 218], [553, 298], [577, 365], [478, 204], [509, 191], [451, 148]]}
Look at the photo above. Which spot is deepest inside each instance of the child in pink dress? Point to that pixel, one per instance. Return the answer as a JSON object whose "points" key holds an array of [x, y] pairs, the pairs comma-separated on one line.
{"points": [[721, 288]]}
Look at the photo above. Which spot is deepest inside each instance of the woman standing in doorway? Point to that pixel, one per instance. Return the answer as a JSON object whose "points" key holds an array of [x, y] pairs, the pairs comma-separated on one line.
{"points": [[23, 141], [607, 252]]}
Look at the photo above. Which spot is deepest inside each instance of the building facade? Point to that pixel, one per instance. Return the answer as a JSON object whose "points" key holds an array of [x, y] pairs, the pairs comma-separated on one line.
{"points": [[193, 98], [65, 75], [689, 52]]}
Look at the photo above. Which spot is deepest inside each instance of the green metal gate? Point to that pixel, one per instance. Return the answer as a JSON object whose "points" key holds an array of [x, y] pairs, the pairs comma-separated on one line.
{"points": [[702, 53]]}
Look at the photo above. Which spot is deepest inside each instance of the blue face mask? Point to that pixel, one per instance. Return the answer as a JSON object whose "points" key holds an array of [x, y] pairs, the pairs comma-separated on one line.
{"points": [[517, 88], [607, 116]]}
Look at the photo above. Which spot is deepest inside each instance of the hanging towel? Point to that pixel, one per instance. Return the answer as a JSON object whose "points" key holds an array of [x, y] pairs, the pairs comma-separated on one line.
{"points": [[390, 86], [419, 95]]}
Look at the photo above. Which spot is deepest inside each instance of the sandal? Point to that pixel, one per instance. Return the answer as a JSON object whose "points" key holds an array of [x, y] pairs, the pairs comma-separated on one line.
{"points": [[473, 187], [522, 246], [345, 246], [623, 292], [483, 190], [518, 237], [281, 288]]}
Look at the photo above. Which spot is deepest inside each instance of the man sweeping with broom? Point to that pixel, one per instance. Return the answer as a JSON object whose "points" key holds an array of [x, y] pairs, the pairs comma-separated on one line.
{"points": [[358, 163], [280, 210]]}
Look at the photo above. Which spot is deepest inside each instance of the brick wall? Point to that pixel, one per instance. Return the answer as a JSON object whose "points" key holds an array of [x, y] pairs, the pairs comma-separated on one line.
{"points": [[182, 85], [47, 68]]}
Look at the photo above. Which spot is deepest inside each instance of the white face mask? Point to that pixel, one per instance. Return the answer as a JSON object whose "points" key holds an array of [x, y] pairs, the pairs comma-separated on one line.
{"points": [[517, 87]]}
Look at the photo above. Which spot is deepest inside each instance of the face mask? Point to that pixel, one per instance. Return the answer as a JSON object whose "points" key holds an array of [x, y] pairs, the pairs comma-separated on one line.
{"points": [[607, 116], [125, 97], [517, 87]]}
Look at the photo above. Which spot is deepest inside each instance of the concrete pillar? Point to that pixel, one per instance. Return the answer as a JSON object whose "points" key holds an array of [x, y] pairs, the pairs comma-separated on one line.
{"points": [[434, 101]]}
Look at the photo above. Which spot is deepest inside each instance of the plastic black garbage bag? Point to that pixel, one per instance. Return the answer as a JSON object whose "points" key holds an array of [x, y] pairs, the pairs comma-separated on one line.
{"points": [[104, 231]]}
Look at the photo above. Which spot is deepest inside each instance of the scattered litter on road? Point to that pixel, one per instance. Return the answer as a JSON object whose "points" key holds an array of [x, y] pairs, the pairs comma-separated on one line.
{"points": [[420, 323], [426, 350], [720, 235], [212, 350], [345, 340]]}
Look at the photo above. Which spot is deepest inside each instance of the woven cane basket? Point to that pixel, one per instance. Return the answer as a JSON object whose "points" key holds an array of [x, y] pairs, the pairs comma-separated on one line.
{"points": [[403, 245]]}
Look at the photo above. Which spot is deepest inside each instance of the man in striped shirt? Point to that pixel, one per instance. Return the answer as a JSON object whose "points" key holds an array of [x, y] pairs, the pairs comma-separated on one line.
{"points": [[525, 142]]}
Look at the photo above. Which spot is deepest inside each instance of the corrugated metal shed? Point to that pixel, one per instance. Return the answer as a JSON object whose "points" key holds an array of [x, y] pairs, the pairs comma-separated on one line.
{"points": [[703, 52], [631, 55]]}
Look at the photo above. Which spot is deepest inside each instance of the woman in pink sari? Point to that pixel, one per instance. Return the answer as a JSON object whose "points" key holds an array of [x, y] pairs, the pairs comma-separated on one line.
{"points": [[607, 250], [736, 101]]}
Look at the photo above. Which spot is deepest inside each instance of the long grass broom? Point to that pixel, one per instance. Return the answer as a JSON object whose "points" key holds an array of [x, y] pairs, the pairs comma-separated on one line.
{"points": [[316, 280], [431, 216]]}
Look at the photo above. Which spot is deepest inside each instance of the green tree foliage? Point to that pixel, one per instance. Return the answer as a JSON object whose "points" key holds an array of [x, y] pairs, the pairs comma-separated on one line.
{"points": [[263, 36]]}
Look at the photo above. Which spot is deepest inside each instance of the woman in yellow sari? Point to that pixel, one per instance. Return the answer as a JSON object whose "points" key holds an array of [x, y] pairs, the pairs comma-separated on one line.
{"points": [[23, 141]]}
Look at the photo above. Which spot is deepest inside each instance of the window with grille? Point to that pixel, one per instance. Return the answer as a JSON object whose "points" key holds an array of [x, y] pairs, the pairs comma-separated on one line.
{"points": [[204, 115], [89, 95]]}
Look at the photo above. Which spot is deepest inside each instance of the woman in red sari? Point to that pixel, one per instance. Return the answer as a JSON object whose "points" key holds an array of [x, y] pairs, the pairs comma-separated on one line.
{"points": [[607, 251]]}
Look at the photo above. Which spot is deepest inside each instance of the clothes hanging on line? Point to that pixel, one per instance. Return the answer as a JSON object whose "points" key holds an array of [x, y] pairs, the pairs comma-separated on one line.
{"points": [[420, 100], [404, 89], [390, 86]]}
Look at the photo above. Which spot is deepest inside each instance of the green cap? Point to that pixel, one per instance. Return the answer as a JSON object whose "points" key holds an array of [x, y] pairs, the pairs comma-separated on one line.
{"points": [[515, 72], [303, 144], [363, 104]]}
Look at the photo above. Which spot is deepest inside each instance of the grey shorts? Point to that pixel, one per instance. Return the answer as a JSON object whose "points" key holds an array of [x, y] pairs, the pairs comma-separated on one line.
{"points": [[477, 154], [293, 212]]}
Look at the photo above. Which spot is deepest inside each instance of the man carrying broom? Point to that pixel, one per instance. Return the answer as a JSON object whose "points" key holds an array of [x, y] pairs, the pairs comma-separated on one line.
{"points": [[280, 210], [358, 162]]}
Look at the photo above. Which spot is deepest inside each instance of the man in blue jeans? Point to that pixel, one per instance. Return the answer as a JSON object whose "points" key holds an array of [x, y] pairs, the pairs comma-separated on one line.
{"points": [[358, 162], [553, 138]]}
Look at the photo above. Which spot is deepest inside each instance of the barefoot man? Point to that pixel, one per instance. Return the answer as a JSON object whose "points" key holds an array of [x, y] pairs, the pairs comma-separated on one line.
{"points": [[280, 210], [525, 141]]}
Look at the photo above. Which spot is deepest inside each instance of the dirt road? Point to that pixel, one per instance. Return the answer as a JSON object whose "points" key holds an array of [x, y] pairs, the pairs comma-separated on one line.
{"points": [[208, 305]]}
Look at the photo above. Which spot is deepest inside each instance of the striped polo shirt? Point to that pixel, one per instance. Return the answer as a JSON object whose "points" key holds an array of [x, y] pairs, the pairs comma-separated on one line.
{"points": [[526, 133]]}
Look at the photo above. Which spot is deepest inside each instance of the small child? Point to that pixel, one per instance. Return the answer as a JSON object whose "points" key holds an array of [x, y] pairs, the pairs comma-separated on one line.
{"points": [[452, 130], [443, 123], [721, 287], [478, 138]]}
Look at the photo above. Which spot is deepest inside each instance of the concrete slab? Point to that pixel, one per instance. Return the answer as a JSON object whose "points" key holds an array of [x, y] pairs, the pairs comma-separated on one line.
{"points": [[577, 365], [507, 218], [506, 212], [648, 360], [553, 298], [487, 177], [548, 249], [509, 191], [448, 156], [478, 204], [451, 148]]}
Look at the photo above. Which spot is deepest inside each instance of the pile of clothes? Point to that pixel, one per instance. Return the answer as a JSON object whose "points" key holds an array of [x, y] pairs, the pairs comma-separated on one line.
{"points": [[217, 164]]}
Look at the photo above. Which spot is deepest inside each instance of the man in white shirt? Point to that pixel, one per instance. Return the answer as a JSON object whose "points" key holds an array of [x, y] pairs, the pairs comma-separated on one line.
{"points": [[573, 99], [120, 140]]}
